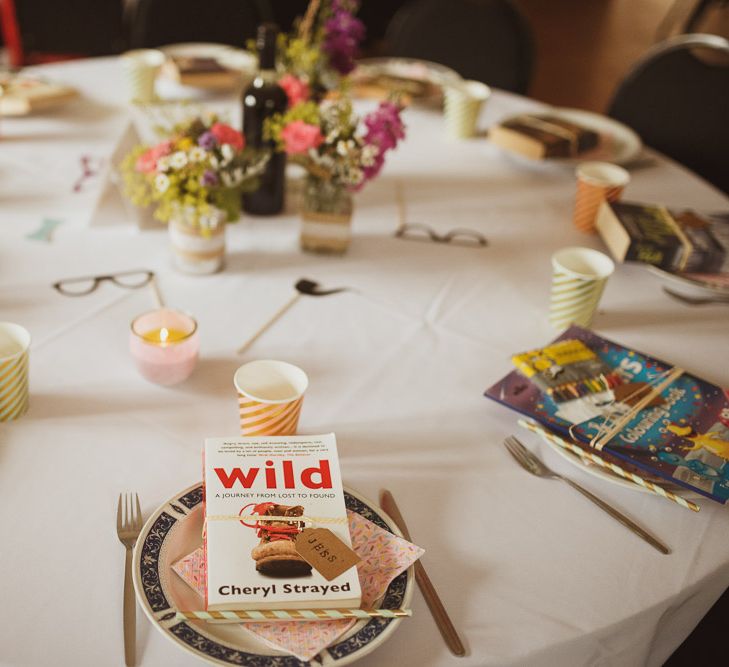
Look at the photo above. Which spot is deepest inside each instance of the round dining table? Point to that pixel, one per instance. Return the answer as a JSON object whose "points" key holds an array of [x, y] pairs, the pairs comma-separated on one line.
{"points": [[529, 571]]}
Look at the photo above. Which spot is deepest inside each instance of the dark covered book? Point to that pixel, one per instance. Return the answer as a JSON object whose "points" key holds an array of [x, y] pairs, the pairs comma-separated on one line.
{"points": [[543, 136], [676, 241]]}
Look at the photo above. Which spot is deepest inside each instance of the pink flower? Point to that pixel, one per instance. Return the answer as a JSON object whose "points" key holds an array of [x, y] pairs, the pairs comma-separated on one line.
{"points": [[299, 137], [296, 90], [147, 161], [225, 134]]}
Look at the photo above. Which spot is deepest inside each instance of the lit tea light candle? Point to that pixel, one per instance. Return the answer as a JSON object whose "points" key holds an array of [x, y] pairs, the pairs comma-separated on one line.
{"points": [[165, 345], [164, 335]]}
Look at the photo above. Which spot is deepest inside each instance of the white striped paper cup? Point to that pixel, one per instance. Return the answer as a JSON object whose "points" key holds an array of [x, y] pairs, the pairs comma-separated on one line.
{"points": [[14, 362], [270, 395], [578, 280], [462, 105], [596, 182], [141, 67]]}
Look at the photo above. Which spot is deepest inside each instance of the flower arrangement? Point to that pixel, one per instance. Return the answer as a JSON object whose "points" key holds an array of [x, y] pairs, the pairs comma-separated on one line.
{"points": [[331, 143], [201, 167], [323, 47]]}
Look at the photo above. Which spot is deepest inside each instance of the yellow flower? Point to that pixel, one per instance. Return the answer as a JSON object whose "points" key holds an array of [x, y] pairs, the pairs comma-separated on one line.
{"points": [[185, 144]]}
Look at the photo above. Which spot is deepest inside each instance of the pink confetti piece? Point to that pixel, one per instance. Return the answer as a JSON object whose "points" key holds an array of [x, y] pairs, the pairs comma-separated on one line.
{"points": [[384, 556]]}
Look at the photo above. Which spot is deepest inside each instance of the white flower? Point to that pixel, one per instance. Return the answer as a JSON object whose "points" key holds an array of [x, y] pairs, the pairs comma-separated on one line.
{"points": [[178, 160], [163, 164], [214, 162], [162, 182], [197, 154], [227, 180], [238, 175], [369, 153], [354, 176], [227, 152], [345, 147]]}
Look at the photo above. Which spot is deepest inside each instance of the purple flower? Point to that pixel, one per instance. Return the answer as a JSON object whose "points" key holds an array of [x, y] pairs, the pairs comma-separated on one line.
{"points": [[384, 126], [209, 178], [342, 35], [207, 141], [384, 129]]}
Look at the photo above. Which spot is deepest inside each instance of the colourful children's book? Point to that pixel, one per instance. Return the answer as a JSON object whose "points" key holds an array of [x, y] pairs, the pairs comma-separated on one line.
{"points": [[681, 435]]}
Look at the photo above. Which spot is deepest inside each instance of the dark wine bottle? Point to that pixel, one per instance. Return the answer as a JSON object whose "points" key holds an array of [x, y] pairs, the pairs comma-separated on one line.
{"points": [[263, 98]]}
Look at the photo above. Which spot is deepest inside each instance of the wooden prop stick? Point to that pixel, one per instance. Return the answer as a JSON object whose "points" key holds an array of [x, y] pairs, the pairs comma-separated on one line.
{"points": [[612, 467], [401, 208], [272, 320], [156, 293], [303, 286], [289, 615]]}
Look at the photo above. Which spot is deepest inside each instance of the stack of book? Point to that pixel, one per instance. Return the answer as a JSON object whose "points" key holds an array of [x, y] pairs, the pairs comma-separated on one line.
{"points": [[540, 136], [625, 406], [679, 241]]}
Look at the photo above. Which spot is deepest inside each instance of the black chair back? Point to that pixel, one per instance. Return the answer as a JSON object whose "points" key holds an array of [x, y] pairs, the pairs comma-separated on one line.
{"points": [[679, 104], [159, 22], [486, 40], [74, 27]]}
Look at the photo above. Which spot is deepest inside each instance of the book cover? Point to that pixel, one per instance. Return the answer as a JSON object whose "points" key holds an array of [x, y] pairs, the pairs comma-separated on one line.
{"points": [[252, 563], [639, 233], [682, 438]]}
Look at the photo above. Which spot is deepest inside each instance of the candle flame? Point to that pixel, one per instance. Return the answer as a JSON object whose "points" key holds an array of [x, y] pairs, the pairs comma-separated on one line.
{"points": [[163, 335]]}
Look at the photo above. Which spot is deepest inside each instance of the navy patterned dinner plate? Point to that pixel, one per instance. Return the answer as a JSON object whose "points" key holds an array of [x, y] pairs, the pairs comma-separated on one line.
{"points": [[173, 531]]}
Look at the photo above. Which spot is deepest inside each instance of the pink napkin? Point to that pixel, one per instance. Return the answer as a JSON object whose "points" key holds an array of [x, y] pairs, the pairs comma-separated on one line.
{"points": [[384, 556]]}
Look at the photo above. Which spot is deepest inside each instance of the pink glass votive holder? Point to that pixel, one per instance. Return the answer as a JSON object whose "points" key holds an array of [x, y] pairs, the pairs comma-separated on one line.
{"points": [[165, 345]]}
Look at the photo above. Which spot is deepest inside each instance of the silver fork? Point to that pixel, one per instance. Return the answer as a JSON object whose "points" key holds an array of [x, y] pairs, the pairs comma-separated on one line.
{"points": [[532, 464], [128, 527]]}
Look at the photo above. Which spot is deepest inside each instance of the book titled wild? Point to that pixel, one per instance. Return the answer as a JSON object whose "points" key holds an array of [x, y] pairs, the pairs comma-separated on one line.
{"points": [[253, 561]]}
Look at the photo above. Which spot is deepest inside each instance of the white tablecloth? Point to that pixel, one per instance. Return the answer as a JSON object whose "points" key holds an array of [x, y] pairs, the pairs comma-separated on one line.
{"points": [[531, 573]]}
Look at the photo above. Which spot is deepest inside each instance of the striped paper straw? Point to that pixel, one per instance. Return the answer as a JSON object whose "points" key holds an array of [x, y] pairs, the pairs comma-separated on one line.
{"points": [[14, 363], [578, 280], [290, 615], [596, 182], [270, 395], [612, 467]]}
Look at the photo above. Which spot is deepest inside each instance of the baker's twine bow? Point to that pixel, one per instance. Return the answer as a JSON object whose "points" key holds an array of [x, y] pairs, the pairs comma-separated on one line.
{"points": [[274, 533]]}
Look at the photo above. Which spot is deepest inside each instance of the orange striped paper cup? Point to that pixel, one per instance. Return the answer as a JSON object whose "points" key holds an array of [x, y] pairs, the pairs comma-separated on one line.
{"points": [[270, 394], [14, 362], [596, 182]]}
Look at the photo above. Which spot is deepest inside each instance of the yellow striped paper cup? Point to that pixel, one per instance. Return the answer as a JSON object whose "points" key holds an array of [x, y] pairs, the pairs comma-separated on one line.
{"points": [[14, 362], [596, 182], [270, 395], [141, 67], [462, 105], [578, 280]]}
